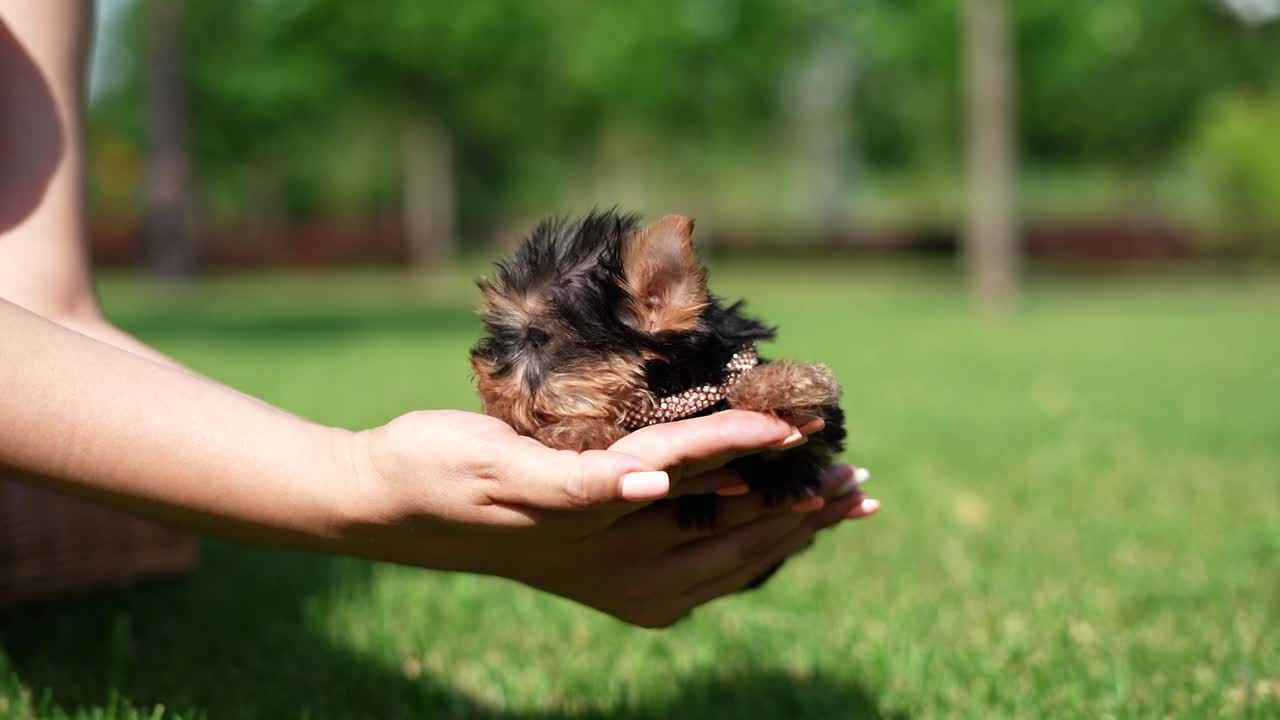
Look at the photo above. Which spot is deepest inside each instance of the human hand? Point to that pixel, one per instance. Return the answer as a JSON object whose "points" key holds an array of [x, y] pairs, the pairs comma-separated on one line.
{"points": [[460, 491]]}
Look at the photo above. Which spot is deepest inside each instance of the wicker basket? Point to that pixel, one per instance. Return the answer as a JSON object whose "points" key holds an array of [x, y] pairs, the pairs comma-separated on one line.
{"points": [[53, 545]]}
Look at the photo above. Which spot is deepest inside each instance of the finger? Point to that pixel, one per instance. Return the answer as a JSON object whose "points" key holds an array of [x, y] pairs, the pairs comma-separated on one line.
{"points": [[849, 481], [837, 510], [656, 523], [724, 553], [728, 482], [810, 425], [688, 448], [737, 508], [795, 541], [693, 468], [535, 476], [843, 480], [790, 544], [865, 507], [718, 481]]}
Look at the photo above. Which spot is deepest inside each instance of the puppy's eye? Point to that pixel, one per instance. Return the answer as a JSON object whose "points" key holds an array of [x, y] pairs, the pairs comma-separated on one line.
{"points": [[537, 337]]}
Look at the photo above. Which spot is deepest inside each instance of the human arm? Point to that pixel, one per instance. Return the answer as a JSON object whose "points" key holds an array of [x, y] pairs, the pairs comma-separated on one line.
{"points": [[445, 490], [119, 422]]}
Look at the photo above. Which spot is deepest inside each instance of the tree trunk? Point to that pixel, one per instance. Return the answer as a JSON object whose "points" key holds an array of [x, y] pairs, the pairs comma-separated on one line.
{"points": [[991, 232], [429, 195], [267, 218], [819, 95], [168, 227]]}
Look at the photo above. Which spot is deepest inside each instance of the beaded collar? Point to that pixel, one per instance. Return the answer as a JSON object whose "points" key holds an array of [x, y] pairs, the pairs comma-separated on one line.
{"points": [[695, 399]]}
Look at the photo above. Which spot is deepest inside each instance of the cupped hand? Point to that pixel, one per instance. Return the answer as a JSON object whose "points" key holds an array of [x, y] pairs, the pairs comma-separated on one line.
{"points": [[460, 491]]}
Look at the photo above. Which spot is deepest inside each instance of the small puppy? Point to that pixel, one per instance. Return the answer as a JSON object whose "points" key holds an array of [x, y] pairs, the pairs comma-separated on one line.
{"points": [[599, 327]]}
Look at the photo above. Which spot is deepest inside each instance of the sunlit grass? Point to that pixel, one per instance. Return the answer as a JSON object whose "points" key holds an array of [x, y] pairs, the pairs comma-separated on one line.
{"points": [[1082, 518]]}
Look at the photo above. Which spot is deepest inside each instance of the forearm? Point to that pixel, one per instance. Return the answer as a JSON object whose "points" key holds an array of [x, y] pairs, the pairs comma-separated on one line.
{"points": [[43, 264], [101, 330], [106, 424]]}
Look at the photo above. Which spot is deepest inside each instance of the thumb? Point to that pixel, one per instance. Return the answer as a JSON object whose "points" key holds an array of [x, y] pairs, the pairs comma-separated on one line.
{"points": [[566, 480]]}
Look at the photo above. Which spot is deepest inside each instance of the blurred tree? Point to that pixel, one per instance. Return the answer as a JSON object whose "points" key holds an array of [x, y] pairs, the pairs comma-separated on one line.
{"points": [[909, 96], [438, 83], [991, 235], [1236, 160], [1104, 82], [430, 190], [819, 97], [310, 107], [1120, 83], [169, 233], [486, 90], [462, 79]]}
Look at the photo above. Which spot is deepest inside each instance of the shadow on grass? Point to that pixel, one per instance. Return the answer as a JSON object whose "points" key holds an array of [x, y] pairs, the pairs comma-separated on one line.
{"points": [[235, 640], [294, 323]]}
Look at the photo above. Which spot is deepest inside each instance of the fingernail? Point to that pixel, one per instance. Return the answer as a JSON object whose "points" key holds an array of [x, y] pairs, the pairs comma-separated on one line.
{"points": [[732, 490], [648, 485], [868, 506], [851, 483], [795, 439], [811, 425], [808, 505]]}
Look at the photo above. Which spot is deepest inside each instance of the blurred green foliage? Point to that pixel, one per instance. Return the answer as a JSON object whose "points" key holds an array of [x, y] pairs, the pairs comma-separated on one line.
{"points": [[314, 92], [1237, 158]]}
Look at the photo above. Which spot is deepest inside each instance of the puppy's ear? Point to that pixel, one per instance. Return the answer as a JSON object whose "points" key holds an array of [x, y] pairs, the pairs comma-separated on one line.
{"points": [[665, 282]]}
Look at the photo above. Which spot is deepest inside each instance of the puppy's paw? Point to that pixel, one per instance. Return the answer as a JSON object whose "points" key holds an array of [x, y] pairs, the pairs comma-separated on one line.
{"points": [[790, 390]]}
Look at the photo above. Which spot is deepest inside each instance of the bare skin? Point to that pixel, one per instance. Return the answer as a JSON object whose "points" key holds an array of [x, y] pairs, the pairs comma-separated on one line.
{"points": [[91, 411]]}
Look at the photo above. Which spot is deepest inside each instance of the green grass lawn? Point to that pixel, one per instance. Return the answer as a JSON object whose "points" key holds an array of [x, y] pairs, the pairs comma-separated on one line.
{"points": [[1081, 518]]}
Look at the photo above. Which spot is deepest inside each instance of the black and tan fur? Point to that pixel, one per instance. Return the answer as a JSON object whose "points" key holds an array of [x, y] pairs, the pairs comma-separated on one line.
{"points": [[594, 315]]}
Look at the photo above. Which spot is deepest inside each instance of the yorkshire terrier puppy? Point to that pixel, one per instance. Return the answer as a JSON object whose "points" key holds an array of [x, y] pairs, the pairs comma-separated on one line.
{"points": [[599, 327]]}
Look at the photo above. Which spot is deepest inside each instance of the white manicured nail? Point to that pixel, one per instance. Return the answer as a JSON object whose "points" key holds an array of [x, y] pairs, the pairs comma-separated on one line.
{"points": [[645, 485], [851, 483], [795, 439]]}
